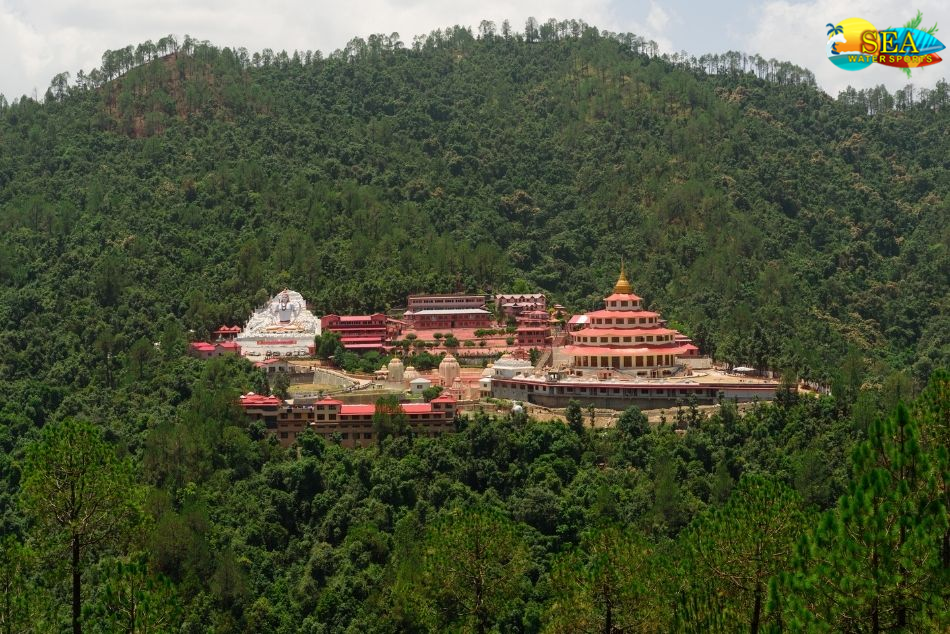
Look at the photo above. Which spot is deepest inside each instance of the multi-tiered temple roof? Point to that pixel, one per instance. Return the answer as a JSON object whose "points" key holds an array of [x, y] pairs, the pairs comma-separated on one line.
{"points": [[625, 337]]}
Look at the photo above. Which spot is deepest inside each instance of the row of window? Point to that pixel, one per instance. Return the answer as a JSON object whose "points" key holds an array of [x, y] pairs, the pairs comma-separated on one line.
{"points": [[627, 392], [619, 321], [623, 362], [641, 339]]}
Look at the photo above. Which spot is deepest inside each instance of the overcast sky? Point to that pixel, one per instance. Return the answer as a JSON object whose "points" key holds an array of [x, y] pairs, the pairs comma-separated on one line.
{"points": [[39, 38]]}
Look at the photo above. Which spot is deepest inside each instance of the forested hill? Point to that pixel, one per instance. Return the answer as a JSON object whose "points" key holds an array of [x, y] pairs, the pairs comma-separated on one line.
{"points": [[178, 185]]}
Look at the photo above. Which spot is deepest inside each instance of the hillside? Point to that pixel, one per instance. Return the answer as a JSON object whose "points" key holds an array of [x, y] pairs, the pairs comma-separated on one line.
{"points": [[178, 185], [777, 226]]}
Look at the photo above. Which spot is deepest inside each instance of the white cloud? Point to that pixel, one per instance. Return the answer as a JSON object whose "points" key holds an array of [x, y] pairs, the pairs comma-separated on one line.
{"points": [[657, 18], [795, 31]]}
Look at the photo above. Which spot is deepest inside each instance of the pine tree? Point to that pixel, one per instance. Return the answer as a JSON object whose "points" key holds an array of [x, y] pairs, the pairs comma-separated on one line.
{"points": [[733, 551], [607, 585], [871, 564], [80, 497]]}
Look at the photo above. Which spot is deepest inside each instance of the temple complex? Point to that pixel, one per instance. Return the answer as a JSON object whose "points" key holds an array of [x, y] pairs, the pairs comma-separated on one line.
{"points": [[619, 356], [282, 327]]}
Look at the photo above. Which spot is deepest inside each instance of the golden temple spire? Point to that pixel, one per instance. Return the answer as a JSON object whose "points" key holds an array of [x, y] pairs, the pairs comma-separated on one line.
{"points": [[623, 285]]}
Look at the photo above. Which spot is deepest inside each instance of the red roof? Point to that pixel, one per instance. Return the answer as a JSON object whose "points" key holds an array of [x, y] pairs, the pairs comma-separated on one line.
{"points": [[257, 400], [622, 313], [230, 345], [593, 331], [443, 398], [356, 410], [203, 346], [623, 296], [417, 408], [268, 361], [640, 350]]}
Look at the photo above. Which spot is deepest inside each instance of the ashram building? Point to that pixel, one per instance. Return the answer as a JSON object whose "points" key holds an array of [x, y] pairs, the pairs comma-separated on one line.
{"points": [[446, 312], [513, 304], [206, 350], [534, 329], [625, 337], [351, 423], [283, 327], [619, 356], [362, 332]]}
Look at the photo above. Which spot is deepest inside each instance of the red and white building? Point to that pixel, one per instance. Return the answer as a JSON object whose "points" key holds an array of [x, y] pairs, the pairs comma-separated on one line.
{"points": [[534, 329], [362, 332], [619, 356], [207, 350], [351, 423], [514, 304], [447, 312], [625, 337]]}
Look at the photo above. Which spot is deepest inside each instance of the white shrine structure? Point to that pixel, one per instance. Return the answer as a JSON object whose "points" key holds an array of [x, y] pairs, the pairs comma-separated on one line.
{"points": [[283, 327]]}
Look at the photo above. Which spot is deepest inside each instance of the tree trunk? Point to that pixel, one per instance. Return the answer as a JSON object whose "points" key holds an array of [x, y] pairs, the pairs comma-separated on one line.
{"points": [[77, 581], [756, 609]]}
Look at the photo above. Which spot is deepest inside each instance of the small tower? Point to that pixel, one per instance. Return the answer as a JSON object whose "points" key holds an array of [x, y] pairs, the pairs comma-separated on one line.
{"points": [[622, 286], [449, 370]]}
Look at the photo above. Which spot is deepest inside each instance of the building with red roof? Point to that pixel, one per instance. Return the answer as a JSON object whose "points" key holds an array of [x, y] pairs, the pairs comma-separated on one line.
{"points": [[446, 312], [619, 356], [226, 333], [206, 350], [362, 332], [353, 423], [534, 329], [624, 337], [514, 304]]}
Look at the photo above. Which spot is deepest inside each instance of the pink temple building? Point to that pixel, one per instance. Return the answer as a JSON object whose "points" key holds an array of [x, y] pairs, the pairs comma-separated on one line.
{"points": [[623, 336]]}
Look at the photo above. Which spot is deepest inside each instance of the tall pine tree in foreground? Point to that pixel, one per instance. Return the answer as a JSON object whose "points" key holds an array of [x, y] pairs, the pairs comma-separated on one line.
{"points": [[733, 551], [873, 563]]}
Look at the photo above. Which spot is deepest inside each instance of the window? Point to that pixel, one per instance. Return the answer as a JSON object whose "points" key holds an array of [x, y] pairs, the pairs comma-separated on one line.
{"points": [[283, 434], [345, 435], [367, 435]]}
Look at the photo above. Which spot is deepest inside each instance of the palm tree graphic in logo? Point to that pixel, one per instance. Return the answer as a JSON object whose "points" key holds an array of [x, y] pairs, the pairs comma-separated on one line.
{"points": [[835, 37]]}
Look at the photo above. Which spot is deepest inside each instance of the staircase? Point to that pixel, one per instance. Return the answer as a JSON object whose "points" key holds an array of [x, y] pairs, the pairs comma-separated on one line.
{"points": [[544, 359]]}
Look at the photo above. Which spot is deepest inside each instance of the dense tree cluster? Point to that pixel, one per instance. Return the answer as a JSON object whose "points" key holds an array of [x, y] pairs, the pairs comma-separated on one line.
{"points": [[511, 524]]}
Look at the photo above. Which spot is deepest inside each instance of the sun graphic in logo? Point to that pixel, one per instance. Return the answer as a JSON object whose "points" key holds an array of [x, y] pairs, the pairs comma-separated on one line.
{"points": [[844, 44]]}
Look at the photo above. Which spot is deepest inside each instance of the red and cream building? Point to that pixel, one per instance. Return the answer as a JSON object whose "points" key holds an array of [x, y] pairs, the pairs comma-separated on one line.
{"points": [[623, 336], [361, 332], [447, 312], [353, 423], [534, 329]]}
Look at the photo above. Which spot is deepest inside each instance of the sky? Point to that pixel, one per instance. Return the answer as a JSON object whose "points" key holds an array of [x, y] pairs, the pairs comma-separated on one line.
{"points": [[40, 38]]}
